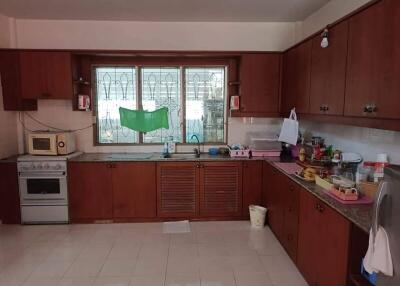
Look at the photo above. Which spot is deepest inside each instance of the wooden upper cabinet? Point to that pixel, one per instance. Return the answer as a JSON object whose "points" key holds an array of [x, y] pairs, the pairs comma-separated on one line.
{"points": [[177, 189], [328, 72], [46, 75], [134, 190], [296, 78], [259, 84], [90, 191], [221, 189], [11, 83], [252, 185], [372, 83]]}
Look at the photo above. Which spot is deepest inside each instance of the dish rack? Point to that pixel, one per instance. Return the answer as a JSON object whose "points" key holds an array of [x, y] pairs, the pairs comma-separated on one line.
{"points": [[244, 153]]}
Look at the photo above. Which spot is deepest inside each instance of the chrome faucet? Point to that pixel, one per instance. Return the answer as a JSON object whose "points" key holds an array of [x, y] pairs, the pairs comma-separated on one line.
{"points": [[196, 150]]}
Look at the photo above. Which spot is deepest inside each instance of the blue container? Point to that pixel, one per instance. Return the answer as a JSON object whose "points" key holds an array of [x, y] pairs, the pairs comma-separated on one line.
{"points": [[370, 277], [213, 151]]}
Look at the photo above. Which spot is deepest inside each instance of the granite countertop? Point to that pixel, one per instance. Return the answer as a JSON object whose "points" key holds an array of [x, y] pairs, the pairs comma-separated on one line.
{"points": [[129, 157], [360, 215], [11, 159]]}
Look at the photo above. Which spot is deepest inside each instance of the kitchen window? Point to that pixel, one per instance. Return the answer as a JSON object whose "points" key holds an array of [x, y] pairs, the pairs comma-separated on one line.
{"points": [[195, 97]]}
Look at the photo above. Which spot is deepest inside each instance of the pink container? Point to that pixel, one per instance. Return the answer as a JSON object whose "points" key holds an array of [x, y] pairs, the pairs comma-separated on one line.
{"points": [[265, 153], [239, 153]]}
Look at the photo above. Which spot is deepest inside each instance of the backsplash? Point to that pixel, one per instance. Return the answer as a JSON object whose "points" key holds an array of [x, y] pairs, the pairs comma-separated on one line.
{"points": [[59, 114], [366, 141]]}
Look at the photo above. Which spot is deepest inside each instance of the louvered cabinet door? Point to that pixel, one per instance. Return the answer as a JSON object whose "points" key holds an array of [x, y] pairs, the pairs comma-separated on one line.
{"points": [[177, 189], [221, 189]]}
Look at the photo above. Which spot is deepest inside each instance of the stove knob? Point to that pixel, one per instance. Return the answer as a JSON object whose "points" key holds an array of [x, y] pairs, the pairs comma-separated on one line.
{"points": [[39, 166], [46, 166], [57, 167], [32, 166]]}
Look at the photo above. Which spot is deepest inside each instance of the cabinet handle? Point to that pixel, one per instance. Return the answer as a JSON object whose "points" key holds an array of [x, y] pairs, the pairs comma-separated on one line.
{"points": [[370, 108], [109, 166], [324, 108]]}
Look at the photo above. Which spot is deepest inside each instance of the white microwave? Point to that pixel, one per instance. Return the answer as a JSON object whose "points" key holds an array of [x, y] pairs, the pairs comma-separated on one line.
{"points": [[51, 143]]}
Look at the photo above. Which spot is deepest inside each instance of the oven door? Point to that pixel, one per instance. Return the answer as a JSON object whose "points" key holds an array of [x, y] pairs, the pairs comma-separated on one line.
{"points": [[43, 188]]}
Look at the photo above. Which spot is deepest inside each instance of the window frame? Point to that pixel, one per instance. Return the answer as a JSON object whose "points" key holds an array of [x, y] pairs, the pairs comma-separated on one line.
{"points": [[182, 64]]}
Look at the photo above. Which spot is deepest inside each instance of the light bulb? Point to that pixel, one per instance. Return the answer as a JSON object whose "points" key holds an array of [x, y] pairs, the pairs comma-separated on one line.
{"points": [[324, 42]]}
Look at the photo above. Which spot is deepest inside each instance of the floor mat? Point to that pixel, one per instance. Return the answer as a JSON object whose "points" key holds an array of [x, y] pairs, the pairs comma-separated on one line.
{"points": [[176, 226]]}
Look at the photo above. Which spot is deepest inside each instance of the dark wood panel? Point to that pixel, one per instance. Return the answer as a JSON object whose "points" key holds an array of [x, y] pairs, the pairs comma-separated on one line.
{"points": [[307, 253], [291, 220], [33, 75], [90, 191], [221, 188], [260, 81], [328, 72], [177, 189], [252, 185], [9, 194], [333, 246], [46, 75], [134, 190], [373, 61], [59, 75], [276, 203], [11, 84], [296, 79]]}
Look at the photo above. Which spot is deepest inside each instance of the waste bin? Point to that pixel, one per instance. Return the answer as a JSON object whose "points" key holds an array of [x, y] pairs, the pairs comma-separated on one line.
{"points": [[257, 216]]}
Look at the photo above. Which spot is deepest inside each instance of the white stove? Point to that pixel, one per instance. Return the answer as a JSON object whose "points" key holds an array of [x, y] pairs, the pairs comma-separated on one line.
{"points": [[43, 188]]}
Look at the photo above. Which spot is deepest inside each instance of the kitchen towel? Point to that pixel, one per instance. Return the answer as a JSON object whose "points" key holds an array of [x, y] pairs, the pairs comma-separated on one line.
{"points": [[144, 121], [290, 129], [378, 258]]}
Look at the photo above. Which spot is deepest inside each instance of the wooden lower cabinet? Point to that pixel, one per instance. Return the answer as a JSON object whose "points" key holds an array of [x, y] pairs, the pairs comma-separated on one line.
{"points": [[105, 191], [282, 200], [221, 189], [289, 239], [9, 194], [323, 243], [252, 185], [177, 189], [90, 191], [274, 199], [199, 189], [134, 190]]}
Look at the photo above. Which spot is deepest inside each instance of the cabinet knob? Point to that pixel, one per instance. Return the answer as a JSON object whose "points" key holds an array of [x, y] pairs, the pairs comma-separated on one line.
{"points": [[370, 108], [324, 108]]}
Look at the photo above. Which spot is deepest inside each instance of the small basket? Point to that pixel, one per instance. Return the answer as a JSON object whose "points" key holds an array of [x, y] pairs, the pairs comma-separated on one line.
{"points": [[239, 153]]}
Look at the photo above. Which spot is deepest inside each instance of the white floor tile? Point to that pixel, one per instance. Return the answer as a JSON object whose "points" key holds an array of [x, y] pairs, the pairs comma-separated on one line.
{"points": [[118, 267], [147, 281]]}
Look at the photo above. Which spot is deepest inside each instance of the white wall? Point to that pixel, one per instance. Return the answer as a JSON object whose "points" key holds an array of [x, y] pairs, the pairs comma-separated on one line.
{"points": [[146, 36], [58, 113], [8, 125], [153, 35], [332, 11]]}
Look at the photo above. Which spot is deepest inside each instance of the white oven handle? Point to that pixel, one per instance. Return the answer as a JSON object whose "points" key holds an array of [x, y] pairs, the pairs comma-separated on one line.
{"points": [[53, 175]]}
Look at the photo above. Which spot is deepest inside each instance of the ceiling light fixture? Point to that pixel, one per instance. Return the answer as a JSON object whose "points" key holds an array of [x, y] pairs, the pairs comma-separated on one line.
{"points": [[324, 36]]}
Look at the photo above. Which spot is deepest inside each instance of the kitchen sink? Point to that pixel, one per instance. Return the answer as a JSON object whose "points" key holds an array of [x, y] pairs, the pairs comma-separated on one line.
{"points": [[182, 156], [130, 156]]}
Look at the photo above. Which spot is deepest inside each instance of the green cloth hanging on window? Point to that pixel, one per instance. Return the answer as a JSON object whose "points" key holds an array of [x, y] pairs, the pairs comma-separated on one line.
{"points": [[144, 121]]}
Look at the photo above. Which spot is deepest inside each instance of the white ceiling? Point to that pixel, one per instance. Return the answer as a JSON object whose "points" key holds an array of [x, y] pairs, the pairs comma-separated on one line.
{"points": [[163, 10]]}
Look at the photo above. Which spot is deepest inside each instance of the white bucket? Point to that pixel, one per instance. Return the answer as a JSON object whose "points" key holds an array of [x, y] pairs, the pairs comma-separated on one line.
{"points": [[257, 216]]}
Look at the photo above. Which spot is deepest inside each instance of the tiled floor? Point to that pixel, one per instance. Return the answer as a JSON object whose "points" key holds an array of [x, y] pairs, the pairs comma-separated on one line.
{"points": [[226, 253]]}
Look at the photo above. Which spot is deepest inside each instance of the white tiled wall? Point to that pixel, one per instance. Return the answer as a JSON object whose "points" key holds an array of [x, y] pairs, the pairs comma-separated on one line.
{"points": [[366, 141]]}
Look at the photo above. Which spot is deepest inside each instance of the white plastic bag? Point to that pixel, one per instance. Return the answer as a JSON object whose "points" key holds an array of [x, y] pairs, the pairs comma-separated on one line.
{"points": [[290, 129]]}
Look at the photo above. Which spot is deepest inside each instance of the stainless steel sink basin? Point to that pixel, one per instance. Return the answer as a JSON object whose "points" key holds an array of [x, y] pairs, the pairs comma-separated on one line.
{"points": [[182, 156], [130, 156]]}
